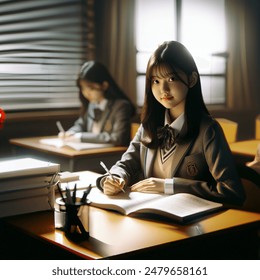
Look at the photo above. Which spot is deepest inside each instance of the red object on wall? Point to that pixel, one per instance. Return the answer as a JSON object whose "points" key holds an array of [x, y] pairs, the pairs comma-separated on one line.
{"points": [[2, 117]]}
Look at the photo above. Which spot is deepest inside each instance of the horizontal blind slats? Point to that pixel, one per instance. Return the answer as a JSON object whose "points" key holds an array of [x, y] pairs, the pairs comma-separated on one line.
{"points": [[11, 7], [43, 45]]}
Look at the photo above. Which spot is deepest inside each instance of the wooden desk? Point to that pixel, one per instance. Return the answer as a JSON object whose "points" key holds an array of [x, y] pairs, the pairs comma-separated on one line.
{"points": [[230, 234], [69, 159], [244, 151]]}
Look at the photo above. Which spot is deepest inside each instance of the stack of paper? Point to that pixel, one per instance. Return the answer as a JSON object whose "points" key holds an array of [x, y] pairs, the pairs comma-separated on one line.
{"points": [[26, 185]]}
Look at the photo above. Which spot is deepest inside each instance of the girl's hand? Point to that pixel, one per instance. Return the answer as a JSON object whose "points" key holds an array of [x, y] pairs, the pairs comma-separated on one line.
{"points": [[112, 187], [150, 185], [66, 134], [70, 136]]}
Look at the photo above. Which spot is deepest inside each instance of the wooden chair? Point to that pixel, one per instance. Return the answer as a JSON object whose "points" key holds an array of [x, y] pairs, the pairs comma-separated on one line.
{"points": [[257, 127], [134, 128], [252, 191], [251, 182], [229, 128]]}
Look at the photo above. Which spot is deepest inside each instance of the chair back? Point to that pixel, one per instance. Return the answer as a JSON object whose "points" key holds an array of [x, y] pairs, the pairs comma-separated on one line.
{"points": [[251, 182], [252, 190], [134, 128], [229, 128]]}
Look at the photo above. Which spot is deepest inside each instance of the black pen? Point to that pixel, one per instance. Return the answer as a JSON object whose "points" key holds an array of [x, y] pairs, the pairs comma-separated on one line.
{"points": [[85, 194], [74, 193], [68, 196], [60, 191]]}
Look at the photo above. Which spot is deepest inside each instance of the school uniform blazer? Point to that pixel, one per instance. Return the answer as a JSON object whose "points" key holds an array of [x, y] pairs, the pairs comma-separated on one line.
{"points": [[115, 124], [202, 166]]}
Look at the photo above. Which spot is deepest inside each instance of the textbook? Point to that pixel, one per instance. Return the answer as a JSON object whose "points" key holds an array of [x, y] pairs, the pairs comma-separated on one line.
{"points": [[78, 146], [26, 182], [27, 185], [25, 193], [25, 205], [20, 167], [181, 207]]}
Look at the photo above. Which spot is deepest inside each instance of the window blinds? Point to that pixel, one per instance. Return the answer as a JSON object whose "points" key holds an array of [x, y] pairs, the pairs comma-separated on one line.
{"points": [[42, 47]]}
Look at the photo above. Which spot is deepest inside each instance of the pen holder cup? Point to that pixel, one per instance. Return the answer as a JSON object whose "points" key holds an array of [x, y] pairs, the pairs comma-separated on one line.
{"points": [[73, 219]]}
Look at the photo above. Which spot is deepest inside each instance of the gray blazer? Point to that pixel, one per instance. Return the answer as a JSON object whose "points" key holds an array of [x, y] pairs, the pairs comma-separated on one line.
{"points": [[115, 124], [202, 166]]}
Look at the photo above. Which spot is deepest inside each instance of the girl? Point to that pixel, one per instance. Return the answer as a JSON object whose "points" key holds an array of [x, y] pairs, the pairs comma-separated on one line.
{"points": [[178, 146], [106, 111]]}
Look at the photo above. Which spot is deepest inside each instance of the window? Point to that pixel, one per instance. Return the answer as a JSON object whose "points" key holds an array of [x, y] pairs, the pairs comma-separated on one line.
{"points": [[154, 24], [195, 24], [43, 45]]}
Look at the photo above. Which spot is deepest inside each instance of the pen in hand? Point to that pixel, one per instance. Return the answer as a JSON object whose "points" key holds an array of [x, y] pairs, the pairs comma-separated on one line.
{"points": [[106, 169], [60, 127]]}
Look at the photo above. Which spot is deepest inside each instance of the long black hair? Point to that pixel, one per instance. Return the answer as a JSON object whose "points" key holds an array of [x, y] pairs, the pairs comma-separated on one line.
{"points": [[174, 55], [96, 72]]}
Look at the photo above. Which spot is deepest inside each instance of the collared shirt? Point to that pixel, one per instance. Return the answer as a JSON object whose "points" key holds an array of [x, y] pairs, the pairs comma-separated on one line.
{"points": [[101, 105], [96, 128], [162, 165], [176, 124]]}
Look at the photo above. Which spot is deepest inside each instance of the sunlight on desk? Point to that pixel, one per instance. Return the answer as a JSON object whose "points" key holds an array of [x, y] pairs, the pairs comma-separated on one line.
{"points": [[140, 233]]}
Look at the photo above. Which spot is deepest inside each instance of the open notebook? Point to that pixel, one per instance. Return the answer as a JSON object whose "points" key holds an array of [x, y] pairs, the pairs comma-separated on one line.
{"points": [[58, 143], [182, 207]]}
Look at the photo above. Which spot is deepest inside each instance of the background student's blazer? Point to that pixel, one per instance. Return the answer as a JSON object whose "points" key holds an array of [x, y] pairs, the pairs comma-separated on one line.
{"points": [[202, 166], [115, 124]]}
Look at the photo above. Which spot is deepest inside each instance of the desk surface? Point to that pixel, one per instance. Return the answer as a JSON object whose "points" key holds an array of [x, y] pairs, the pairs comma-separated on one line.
{"points": [[34, 143], [112, 234], [247, 148]]}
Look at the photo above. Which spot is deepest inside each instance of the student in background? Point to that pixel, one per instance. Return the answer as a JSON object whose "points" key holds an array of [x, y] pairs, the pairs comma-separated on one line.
{"points": [[179, 147], [255, 164], [106, 111]]}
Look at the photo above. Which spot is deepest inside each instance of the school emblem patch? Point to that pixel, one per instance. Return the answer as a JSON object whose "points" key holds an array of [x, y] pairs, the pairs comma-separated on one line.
{"points": [[108, 126], [192, 169]]}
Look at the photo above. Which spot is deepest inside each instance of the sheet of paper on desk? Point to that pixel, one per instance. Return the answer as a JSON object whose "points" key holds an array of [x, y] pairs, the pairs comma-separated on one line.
{"points": [[67, 176], [59, 143], [85, 179]]}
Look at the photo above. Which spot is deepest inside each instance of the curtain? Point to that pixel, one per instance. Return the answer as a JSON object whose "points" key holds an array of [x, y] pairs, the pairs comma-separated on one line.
{"points": [[115, 45], [242, 45]]}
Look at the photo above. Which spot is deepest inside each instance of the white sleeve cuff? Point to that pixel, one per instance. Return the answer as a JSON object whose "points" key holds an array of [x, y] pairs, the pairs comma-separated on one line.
{"points": [[169, 186]]}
